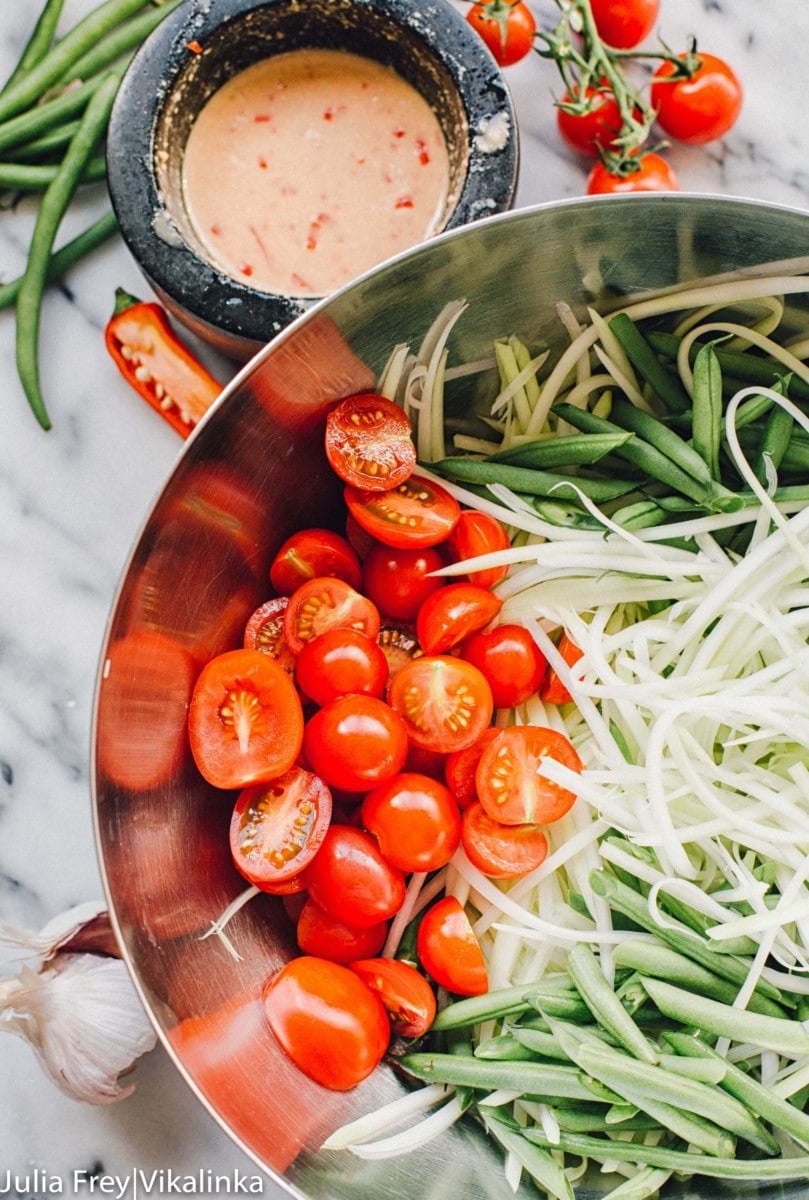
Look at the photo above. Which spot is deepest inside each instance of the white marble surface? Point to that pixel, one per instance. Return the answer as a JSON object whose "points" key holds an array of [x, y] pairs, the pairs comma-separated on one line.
{"points": [[71, 502]]}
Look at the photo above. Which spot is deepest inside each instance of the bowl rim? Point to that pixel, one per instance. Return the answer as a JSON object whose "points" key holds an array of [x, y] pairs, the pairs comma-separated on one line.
{"points": [[181, 277]]}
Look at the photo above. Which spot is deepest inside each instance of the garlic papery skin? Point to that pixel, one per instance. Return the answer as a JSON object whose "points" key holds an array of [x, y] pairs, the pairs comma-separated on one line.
{"points": [[83, 1017], [59, 931]]}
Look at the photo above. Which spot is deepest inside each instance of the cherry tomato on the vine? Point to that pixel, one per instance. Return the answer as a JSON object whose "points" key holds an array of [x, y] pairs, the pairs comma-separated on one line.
{"points": [[506, 26], [702, 108], [415, 514], [449, 951], [340, 661], [653, 174], [245, 720], [321, 934], [445, 703], [416, 821], [595, 127], [454, 613], [477, 533], [369, 443], [328, 1021], [277, 827], [355, 742], [509, 779], [622, 24], [327, 603], [511, 661], [350, 878], [310, 553], [407, 996], [398, 580], [501, 851]]}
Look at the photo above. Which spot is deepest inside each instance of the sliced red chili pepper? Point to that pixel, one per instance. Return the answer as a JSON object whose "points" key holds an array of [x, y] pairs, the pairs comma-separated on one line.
{"points": [[157, 364]]}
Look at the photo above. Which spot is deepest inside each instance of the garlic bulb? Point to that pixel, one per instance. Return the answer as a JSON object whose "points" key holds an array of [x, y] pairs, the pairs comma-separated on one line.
{"points": [[79, 1011]]}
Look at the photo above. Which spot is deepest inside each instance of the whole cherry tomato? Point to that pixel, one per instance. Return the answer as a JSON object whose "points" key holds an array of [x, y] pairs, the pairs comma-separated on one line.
{"points": [[509, 779], [477, 533], [340, 661], [702, 108], [444, 702], [594, 126], [369, 443], [454, 613], [501, 851], [398, 581], [355, 742], [407, 996], [327, 603], [310, 553], [511, 661], [321, 934], [449, 951], [552, 689], [415, 514], [416, 821], [624, 23], [277, 827], [329, 1022], [350, 878], [506, 26], [653, 174]]}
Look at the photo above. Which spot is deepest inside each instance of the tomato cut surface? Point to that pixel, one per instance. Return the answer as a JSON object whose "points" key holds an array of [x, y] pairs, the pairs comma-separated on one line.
{"points": [[509, 779], [449, 951], [416, 821], [369, 442], [407, 996], [327, 603], [501, 851], [310, 553], [264, 631], [245, 720], [454, 613], [415, 514], [277, 827], [328, 1021], [461, 765], [445, 703], [350, 878], [355, 742]]}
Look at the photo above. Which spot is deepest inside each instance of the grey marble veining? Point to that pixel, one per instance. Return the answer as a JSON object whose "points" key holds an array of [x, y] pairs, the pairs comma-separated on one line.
{"points": [[72, 500]]}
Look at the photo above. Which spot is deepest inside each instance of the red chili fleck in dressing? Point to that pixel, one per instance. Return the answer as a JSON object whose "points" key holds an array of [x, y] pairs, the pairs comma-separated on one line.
{"points": [[269, 163]]}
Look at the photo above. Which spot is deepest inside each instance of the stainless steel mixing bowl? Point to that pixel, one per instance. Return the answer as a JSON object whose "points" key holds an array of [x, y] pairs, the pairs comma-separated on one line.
{"points": [[251, 474]]}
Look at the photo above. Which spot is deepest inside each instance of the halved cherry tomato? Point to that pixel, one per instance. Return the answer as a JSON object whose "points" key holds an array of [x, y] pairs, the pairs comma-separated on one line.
{"points": [[355, 742], [264, 631], [624, 23], [245, 720], [511, 661], [506, 26], [350, 878], [477, 533], [313, 553], [452, 614], [553, 690], [701, 108], [321, 934], [501, 851], [369, 442], [592, 125], [327, 603], [509, 779], [416, 821], [399, 580], [449, 951], [407, 996], [277, 827], [399, 645], [460, 768], [329, 1022], [653, 174], [340, 661], [444, 702], [415, 514]]}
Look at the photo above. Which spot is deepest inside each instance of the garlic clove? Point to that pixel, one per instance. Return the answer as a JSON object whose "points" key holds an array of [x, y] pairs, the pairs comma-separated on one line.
{"points": [[77, 924]]}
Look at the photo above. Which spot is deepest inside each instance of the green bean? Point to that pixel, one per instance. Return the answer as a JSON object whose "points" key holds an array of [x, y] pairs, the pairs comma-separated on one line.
{"points": [[579, 1120], [46, 145], [706, 416], [38, 44], [51, 210], [67, 256], [759, 1099], [22, 129], [563, 1006], [568, 516], [644, 1184], [117, 42], [528, 1078], [57, 62], [737, 367], [24, 177], [664, 439], [665, 383], [568, 450], [532, 483], [459, 1043], [491, 1006], [701, 1069], [536, 1161], [605, 1006], [539, 1043], [661, 962], [643, 514], [775, 442], [781, 1034], [504, 1047]]}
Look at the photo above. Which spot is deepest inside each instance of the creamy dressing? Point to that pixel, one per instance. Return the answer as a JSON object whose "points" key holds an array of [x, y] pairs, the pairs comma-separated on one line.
{"points": [[310, 167]]}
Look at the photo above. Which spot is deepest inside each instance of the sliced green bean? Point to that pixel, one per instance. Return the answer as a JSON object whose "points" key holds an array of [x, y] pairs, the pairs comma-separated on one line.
{"points": [[25, 177], [586, 973], [528, 1078], [706, 416], [47, 116], [38, 44], [60, 262], [665, 383], [568, 450], [119, 41], [51, 210], [532, 483], [781, 1034], [759, 1099], [57, 62]]}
